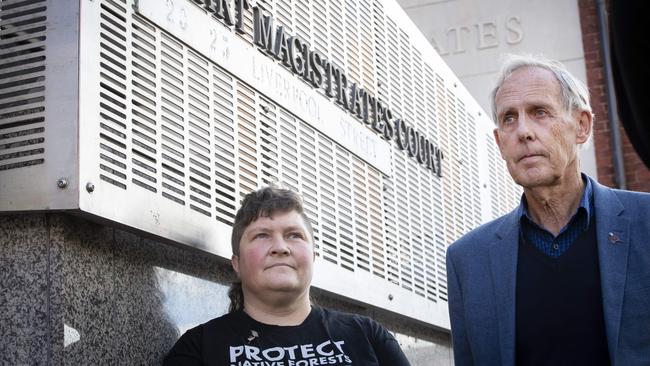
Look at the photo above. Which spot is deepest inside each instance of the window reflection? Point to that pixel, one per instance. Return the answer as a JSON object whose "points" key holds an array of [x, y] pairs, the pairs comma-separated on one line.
{"points": [[189, 301]]}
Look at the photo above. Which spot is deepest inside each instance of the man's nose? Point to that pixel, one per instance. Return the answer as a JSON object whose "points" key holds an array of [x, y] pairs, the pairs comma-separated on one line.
{"points": [[524, 128]]}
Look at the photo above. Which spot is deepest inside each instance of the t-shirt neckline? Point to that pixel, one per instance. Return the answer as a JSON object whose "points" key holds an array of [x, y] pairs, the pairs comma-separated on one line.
{"points": [[314, 313]]}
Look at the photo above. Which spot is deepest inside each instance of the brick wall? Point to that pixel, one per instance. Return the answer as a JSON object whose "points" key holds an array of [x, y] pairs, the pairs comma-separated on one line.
{"points": [[636, 174]]}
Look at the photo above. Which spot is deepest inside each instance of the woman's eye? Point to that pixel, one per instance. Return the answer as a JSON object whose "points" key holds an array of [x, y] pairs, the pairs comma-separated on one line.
{"points": [[260, 236]]}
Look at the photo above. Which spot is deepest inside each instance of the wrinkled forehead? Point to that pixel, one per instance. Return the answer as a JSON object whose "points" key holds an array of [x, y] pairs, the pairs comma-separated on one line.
{"points": [[530, 77], [531, 84]]}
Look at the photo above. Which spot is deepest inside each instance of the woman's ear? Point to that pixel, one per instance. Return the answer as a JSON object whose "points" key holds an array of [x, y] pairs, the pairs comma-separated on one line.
{"points": [[234, 261]]}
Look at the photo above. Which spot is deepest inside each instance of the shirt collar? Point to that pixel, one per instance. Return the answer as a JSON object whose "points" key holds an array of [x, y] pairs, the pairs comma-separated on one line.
{"points": [[586, 202]]}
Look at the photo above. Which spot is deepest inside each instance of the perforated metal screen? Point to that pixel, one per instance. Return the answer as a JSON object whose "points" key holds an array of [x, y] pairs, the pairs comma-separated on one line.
{"points": [[170, 137], [22, 75]]}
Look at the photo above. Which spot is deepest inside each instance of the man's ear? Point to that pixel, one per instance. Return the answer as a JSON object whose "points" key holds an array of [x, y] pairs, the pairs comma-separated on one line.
{"points": [[585, 124], [234, 261]]}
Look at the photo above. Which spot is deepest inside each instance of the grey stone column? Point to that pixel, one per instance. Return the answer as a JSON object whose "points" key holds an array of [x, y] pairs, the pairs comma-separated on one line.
{"points": [[108, 296]]}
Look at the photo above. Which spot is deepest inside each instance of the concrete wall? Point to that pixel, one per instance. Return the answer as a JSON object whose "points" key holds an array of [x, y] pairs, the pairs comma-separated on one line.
{"points": [[77, 292]]}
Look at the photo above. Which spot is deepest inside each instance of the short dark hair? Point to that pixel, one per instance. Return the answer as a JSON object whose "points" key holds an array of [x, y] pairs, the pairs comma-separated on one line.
{"points": [[261, 203], [265, 202]]}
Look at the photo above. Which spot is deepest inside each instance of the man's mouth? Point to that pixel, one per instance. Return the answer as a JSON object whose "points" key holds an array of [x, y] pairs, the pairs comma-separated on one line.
{"points": [[527, 156]]}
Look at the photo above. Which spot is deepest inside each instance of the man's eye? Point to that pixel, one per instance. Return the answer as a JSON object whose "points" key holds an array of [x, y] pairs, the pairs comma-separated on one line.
{"points": [[507, 119], [260, 236], [541, 113]]}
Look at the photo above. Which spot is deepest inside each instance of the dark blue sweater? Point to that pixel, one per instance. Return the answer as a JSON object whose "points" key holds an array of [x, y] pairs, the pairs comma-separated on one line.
{"points": [[559, 308]]}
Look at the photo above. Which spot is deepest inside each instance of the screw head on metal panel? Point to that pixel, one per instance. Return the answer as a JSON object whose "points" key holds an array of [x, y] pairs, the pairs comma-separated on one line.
{"points": [[390, 297], [62, 183], [90, 187]]}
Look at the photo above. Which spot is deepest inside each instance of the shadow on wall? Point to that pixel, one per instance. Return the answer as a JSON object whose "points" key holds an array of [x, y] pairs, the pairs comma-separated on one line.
{"points": [[128, 299]]}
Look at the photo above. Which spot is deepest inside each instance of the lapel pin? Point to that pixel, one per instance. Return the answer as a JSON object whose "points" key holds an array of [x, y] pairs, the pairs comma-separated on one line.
{"points": [[613, 238]]}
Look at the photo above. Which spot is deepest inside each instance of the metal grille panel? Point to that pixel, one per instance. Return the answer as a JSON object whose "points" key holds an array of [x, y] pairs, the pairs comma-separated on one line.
{"points": [[172, 135], [22, 83], [358, 227]]}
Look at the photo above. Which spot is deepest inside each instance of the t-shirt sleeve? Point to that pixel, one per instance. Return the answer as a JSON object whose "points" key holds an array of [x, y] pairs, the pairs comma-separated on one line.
{"points": [[187, 350], [387, 349]]}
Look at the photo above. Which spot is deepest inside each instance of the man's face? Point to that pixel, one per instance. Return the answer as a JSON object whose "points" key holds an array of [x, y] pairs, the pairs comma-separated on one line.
{"points": [[537, 137], [276, 255]]}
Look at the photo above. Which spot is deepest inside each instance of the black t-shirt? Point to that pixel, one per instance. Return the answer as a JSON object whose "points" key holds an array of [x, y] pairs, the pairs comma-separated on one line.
{"points": [[326, 337]]}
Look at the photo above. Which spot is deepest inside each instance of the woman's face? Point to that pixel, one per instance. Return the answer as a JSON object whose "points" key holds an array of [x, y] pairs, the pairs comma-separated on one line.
{"points": [[276, 256]]}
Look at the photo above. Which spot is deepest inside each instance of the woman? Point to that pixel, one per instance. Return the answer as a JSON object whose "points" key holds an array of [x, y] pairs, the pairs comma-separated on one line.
{"points": [[271, 319]]}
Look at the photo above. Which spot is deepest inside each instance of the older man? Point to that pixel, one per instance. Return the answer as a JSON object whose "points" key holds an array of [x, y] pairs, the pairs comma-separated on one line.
{"points": [[564, 279]]}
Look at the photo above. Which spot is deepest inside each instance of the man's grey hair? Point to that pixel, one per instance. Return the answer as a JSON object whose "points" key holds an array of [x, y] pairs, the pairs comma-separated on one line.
{"points": [[575, 94]]}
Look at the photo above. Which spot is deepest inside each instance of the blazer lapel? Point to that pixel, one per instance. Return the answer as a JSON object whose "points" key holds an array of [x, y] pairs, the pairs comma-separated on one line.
{"points": [[613, 238], [503, 262]]}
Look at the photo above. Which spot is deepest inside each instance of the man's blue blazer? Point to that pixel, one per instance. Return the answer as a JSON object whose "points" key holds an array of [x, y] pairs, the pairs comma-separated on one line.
{"points": [[482, 270]]}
